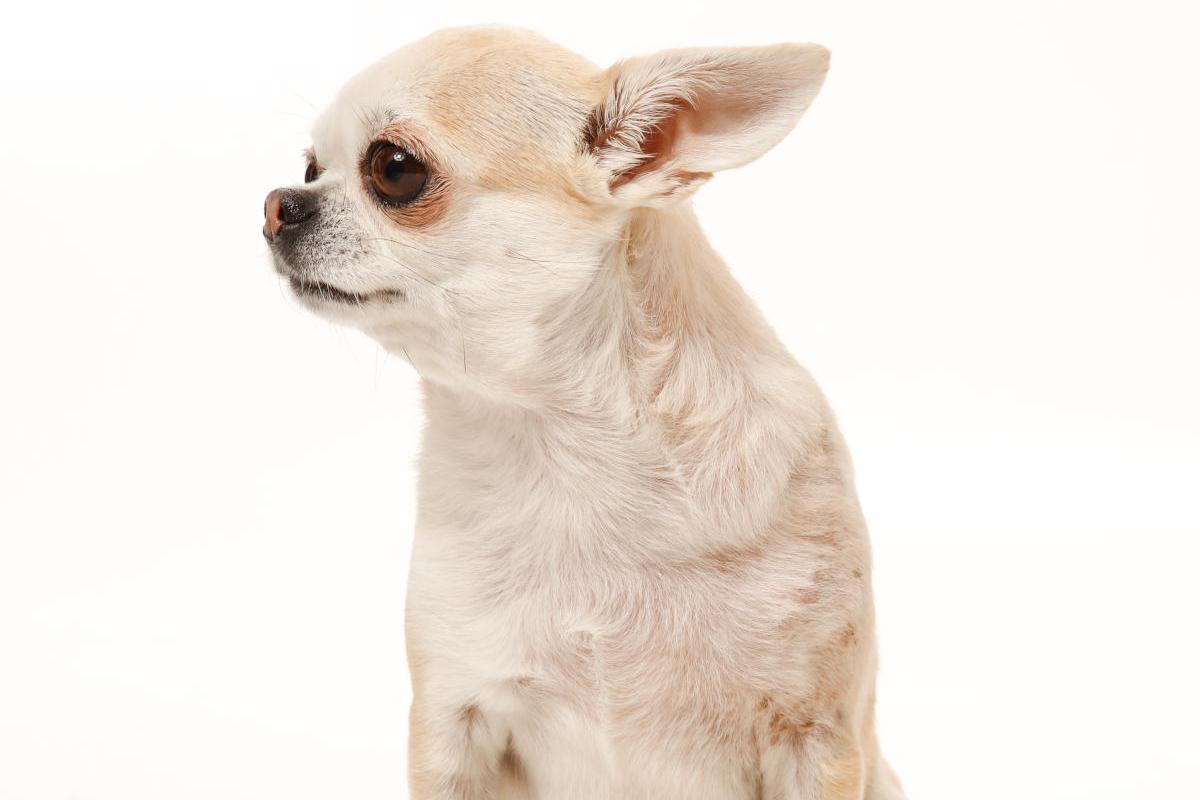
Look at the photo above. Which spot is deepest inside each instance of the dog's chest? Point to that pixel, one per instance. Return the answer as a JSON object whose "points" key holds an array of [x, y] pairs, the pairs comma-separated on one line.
{"points": [[593, 608], [557, 607], [632, 670]]}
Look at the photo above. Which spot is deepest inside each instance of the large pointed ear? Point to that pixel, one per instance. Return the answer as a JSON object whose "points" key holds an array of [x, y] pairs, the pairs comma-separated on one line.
{"points": [[671, 119]]}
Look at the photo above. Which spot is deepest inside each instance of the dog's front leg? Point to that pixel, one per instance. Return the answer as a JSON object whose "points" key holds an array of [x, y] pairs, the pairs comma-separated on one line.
{"points": [[811, 763], [455, 751]]}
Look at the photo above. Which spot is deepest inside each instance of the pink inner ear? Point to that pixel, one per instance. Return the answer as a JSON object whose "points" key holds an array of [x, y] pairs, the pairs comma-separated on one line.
{"points": [[728, 112], [710, 128], [710, 113], [657, 144]]}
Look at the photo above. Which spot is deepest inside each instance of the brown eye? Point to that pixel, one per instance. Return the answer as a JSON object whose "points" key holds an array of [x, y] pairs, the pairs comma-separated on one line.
{"points": [[396, 175], [311, 172]]}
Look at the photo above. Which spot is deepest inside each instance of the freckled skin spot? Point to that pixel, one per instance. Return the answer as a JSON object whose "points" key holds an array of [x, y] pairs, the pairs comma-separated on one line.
{"points": [[807, 596], [849, 636], [788, 731]]}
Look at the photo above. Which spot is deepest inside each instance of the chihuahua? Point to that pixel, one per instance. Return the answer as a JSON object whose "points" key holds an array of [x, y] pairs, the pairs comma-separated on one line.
{"points": [[640, 571]]}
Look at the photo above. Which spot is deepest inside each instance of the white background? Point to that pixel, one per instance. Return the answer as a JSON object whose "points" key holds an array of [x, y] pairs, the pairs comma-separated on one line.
{"points": [[983, 240]]}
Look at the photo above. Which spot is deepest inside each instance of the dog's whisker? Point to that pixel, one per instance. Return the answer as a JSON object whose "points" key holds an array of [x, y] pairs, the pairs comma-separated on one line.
{"points": [[512, 253], [304, 100], [415, 274], [305, 117]]}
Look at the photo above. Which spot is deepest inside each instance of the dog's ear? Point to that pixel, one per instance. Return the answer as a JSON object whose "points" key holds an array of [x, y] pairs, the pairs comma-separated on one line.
{"points": [[670, 120]]}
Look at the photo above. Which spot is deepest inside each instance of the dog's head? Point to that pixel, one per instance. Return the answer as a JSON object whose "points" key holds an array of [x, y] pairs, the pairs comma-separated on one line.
{"points": [[467, 188]]}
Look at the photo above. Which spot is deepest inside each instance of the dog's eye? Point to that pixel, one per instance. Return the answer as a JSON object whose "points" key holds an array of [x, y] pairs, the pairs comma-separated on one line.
{"points": [[311, 172], [396, 175]]}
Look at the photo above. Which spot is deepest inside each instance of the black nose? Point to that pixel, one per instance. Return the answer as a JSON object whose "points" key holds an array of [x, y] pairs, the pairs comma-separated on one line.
{"points": [[286, 207]]}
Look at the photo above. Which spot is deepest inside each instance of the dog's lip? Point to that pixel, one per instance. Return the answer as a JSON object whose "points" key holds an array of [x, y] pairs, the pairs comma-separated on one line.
{"points": [[324, 291]]}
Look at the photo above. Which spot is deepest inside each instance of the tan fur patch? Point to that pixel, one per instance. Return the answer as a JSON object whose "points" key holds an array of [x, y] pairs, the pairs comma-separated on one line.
{"points": [[788, 731]]}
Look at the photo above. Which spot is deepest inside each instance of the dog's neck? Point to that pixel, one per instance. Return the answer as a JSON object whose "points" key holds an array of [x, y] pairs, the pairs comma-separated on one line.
{"points": [[661, 326], [663, 371]]}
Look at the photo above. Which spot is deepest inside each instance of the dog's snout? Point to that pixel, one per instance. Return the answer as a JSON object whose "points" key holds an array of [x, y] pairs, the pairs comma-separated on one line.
{"points": [[286, 207]]}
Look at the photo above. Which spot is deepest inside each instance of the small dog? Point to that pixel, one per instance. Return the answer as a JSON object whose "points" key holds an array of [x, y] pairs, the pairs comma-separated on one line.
{"points": [[640, 570]]}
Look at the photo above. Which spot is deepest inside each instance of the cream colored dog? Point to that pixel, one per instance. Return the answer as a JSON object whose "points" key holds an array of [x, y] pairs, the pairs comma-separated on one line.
{"points": [[640, 570]]}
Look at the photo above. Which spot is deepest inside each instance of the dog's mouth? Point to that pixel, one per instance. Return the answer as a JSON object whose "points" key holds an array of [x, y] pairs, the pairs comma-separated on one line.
{"points": [[317, 290]]}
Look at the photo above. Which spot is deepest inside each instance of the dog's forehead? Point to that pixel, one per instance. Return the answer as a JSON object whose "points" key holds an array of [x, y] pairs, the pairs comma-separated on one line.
{"points": [[481, 93]]}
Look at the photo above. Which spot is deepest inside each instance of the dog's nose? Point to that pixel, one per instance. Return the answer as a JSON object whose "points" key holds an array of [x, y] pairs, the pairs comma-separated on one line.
{"points": [[286, 207]]}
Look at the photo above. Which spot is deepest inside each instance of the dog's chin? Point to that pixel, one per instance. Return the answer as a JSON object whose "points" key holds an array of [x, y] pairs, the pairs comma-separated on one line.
{"points": [[319, 293], [342, 306], [328, 299]]}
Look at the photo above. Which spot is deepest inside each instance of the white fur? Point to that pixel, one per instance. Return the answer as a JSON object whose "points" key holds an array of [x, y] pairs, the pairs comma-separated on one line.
{"points": [[639, 568]]}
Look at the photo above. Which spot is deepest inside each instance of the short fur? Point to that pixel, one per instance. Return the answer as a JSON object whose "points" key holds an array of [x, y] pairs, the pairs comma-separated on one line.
{"points": [[639, 570]]}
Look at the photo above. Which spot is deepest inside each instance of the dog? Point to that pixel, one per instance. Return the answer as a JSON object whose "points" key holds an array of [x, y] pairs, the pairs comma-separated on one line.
{"points": [[639, 569]]}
